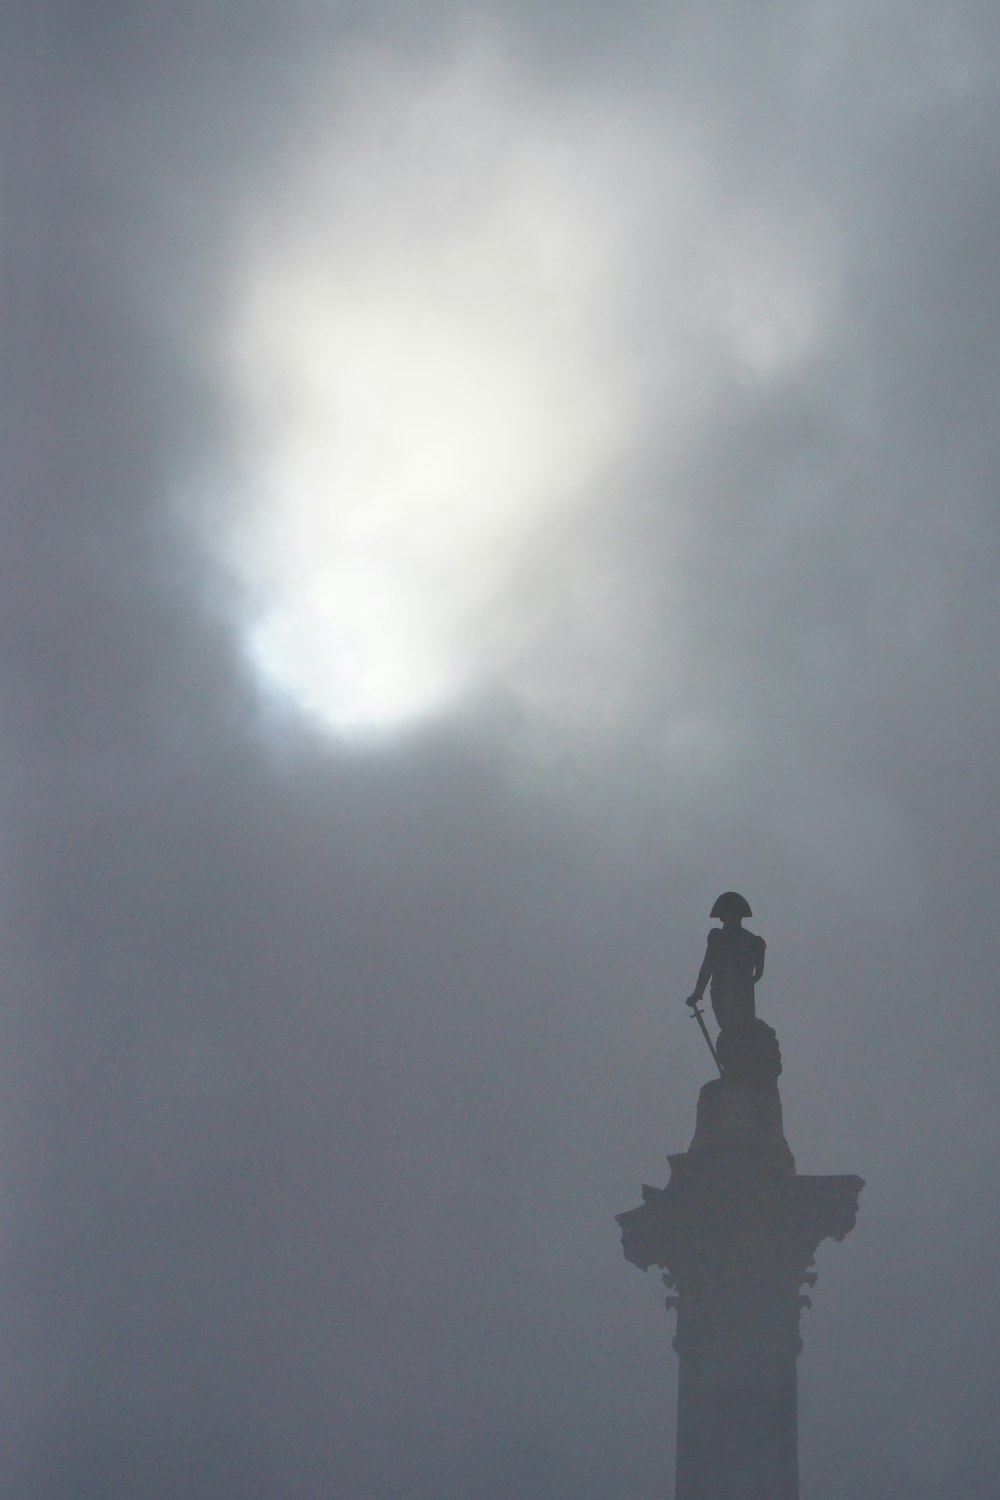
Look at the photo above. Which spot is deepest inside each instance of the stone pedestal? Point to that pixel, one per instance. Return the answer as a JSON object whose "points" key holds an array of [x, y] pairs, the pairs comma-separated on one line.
{"points": [[735, 1231]]}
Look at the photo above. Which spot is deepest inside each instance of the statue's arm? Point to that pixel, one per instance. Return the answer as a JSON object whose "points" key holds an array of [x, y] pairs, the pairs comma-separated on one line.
{"points": [[758, 966], [704, 975]]}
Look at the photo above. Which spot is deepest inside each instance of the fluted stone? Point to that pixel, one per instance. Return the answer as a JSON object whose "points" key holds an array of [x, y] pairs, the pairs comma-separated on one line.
{"points": [[735, 1231]]}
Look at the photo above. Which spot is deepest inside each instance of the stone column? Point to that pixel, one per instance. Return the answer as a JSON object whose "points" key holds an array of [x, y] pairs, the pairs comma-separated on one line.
{"points": [[735, 1231]]}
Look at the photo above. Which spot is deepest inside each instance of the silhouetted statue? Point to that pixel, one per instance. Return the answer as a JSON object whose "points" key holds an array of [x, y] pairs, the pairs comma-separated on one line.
{"points": [[734, 961], [747, 1049]]}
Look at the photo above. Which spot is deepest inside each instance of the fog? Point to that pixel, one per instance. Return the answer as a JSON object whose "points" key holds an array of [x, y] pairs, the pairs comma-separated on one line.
{"points": [[479, 484]]}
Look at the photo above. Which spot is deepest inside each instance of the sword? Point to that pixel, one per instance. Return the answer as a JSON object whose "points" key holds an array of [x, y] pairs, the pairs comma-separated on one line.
{"points": [[700, 1016]]}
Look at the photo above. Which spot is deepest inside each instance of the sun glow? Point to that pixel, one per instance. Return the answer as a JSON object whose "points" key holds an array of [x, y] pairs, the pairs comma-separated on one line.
{"points": [[460, 310], [426, 395]]}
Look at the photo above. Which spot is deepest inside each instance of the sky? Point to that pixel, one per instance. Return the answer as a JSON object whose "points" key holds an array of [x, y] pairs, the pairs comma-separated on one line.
{"points": [[479, 481]]}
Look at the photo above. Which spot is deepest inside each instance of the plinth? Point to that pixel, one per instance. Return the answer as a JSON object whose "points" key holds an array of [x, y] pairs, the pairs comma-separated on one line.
{"points": [[735, 1231]]}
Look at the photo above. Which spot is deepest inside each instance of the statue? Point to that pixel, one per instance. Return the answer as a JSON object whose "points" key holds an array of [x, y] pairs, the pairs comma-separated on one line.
{"points": [[733, 962], [746, 1049]]}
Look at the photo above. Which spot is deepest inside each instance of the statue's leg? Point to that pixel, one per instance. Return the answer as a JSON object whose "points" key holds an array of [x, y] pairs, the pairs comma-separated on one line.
{"points": [[744, 1009]]}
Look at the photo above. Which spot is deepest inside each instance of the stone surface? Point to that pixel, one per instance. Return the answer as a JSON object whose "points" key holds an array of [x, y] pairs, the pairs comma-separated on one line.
{"points": [[749, 1052], [741, 1121], [735, 1231]]}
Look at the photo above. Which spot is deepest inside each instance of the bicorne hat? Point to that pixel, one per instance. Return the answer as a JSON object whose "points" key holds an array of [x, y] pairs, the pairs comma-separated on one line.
{"points": [[731, 904]]}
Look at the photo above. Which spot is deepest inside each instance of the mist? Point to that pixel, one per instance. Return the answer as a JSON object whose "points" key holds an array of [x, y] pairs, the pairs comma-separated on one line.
{"points": [[478, 485]]}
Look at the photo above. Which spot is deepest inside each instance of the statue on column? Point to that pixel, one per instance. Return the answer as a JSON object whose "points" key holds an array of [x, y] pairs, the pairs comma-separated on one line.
{"points": [[747, 1048], [735, 1231]]}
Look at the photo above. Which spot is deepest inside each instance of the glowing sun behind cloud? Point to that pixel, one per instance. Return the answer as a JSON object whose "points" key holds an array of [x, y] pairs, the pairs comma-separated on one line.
{"points": [[425, 393]]}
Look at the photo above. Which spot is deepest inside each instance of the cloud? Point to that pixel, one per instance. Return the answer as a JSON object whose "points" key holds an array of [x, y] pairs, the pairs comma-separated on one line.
{"points": [[443, 315], [326, 1063], [426, 392]]}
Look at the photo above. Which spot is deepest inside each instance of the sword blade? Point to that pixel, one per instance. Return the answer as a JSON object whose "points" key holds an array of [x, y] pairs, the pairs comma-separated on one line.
{"points": [[704, 1031]]}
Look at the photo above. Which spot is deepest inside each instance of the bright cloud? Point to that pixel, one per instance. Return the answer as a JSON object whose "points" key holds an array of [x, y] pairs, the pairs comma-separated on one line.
{"points": [[421, 357], [429, 351]]}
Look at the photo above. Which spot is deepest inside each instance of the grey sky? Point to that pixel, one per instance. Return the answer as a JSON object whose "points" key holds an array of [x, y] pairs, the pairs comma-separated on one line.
{"points": [[327, 1059]]}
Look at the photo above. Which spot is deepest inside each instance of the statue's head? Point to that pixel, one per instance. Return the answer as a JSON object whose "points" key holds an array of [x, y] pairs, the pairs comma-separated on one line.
{"points": [[731, 907]]}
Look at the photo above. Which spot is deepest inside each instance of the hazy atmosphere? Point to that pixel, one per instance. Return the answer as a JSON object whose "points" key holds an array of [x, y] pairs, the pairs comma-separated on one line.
{"points": [[479, 481]]}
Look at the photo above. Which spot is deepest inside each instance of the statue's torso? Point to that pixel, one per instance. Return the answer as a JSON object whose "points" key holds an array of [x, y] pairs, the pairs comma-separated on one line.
{"points": [[737, 957]]}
